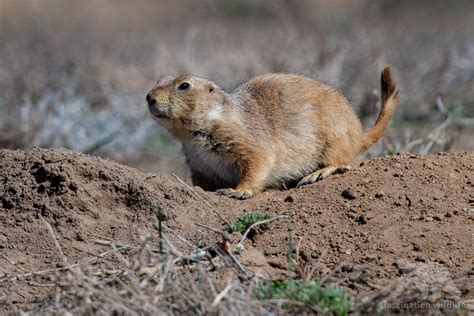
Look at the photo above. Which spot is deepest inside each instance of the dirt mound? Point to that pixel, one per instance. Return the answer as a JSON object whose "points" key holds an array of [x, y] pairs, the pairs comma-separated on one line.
{"points": [[367, 230]]}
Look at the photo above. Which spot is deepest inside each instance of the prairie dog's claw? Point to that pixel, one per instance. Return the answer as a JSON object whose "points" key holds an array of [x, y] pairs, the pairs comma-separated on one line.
{"points": [[321, 174], [236, 194]]}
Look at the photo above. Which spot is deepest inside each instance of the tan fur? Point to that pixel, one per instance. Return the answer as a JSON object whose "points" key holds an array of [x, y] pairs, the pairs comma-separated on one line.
{"points": [[275, 130]]}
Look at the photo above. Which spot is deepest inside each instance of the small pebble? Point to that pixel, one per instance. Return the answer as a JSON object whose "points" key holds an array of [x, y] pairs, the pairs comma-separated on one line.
{"points": [[362, 220], [379, 194], [348, 194], [416, 247], [352, 215]]}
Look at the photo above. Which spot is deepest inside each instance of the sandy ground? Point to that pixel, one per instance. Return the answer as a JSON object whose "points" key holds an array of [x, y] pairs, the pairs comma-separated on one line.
{"points": [[389, 223]]}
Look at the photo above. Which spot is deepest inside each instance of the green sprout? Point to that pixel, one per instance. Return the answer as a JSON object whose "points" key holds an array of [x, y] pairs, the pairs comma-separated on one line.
{"points": [[244, 221]]}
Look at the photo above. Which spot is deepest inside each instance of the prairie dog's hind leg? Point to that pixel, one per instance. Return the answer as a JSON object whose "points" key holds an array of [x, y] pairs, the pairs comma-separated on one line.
{"points": [[200, 179], [252, 182], [322, 174]]}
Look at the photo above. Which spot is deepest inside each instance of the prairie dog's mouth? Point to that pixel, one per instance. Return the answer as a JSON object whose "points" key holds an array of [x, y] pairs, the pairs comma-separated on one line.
{"points": [[161, 113]]}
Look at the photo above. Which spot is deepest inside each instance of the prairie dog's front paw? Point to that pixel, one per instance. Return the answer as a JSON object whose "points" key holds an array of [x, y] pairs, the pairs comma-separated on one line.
{"points": [[236, 193]]}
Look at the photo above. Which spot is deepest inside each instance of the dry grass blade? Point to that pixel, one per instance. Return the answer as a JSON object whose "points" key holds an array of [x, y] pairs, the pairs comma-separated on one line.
{"points": [[222, 294], [222, 233], [240, 245], [69, 267], [14, 264], [55, 240], [436, 136], [237, 263], [178, 236]]}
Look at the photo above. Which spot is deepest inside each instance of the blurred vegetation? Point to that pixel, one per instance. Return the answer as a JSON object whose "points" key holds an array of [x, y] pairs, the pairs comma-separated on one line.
{"points": [[311, 295], [74, 73]]}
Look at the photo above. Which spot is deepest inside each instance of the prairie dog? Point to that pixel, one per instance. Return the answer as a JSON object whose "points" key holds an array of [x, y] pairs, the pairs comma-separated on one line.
{"points": [[274, 130]]}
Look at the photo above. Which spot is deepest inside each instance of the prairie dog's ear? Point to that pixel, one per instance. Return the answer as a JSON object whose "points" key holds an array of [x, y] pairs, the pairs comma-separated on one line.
{"points": [[211, 87]]}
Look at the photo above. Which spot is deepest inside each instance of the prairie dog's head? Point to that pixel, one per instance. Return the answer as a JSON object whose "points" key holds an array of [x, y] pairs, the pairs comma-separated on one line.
{"points": [[186, 104]]}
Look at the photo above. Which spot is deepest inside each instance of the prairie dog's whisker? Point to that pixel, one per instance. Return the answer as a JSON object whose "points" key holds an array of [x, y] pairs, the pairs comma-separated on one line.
{"points": [[142, 110]]}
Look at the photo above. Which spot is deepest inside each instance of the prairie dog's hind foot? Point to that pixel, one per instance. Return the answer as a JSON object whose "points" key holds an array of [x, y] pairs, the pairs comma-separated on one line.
{"points": [[236, 193], [322, 174]]}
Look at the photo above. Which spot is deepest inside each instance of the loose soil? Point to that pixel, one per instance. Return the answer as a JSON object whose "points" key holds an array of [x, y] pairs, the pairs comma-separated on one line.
{"points": [[365, 229]]}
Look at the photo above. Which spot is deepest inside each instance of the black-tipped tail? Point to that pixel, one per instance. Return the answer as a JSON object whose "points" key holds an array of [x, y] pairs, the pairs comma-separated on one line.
{"points": [[389, 103]]}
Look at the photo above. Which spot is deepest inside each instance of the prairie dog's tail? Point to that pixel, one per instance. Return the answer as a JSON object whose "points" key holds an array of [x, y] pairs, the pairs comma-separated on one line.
{"points": [[389, 103]]}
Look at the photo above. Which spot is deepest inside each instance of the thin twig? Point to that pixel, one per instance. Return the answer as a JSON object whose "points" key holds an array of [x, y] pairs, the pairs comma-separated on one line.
{"points": [[161, 283], [119, 256], [240, 245], [41, 284], [102, 257], [222, 294], [208, 279], [14, 263], [108, 243], [224, 234], [101, 237], [55, 240], [202, 199], [435, 135], [193, 257], [237, 262], [178, 236], [150, 176], [173, 249], [90, 261]]}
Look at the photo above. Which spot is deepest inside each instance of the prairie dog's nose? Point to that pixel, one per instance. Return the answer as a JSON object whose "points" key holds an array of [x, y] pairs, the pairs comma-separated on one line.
{"points": [[150, 100]]}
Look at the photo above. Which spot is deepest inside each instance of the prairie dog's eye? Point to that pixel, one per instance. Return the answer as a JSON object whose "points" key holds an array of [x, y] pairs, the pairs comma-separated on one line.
{"points": [[184, 86]]}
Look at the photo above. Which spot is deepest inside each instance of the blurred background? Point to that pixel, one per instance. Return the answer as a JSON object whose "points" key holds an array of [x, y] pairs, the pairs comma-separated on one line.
{"points": [[74, 74]]}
